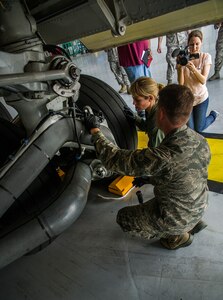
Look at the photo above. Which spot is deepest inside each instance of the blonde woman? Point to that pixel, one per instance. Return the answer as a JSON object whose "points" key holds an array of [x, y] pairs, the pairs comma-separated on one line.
{"points": [[194, 75], [145, 92]]}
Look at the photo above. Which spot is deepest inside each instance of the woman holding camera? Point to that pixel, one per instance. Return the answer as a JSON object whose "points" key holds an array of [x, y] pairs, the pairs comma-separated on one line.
{"points": [[194, 75]]}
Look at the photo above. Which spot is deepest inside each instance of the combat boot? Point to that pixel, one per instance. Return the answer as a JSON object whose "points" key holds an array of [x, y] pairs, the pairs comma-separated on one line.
{"points": [[174, 242], [198, 227], [215, 76], [128, 89], [123, 89]]}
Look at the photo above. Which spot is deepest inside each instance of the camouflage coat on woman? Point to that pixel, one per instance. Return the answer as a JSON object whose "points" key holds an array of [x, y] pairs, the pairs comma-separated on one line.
{"points": [[149, 126], [178, 170]]}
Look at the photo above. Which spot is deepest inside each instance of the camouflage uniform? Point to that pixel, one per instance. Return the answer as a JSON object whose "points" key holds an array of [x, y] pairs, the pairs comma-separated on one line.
{"points": [[178, 169], [149, 126], [219, 50], [119, 71], [174, 41]]}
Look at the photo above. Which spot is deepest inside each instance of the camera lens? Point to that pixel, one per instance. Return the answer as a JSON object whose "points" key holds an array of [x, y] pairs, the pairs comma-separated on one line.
{"points": [[183, 60]]}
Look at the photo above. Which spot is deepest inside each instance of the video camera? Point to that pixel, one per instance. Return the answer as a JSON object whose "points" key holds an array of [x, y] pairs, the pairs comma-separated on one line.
{"points": [[183, 55]]}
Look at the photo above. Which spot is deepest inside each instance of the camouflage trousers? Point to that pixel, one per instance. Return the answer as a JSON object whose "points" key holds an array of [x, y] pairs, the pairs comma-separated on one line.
{"points": [[119, 72], [171, 63], [144, 220], [136, 220], [219, 50]]}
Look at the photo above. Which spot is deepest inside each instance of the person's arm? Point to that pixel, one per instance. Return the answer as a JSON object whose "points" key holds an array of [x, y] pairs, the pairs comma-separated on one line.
{"points": [[201, 77], [140, 123], [149, 48], [159, 50], [126, 162], [149, 44], [180, 74], [134, 118]]}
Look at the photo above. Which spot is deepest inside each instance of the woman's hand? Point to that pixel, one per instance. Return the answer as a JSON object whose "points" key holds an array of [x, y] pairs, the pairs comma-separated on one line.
{"points": [[179, 67], [191, 66], [198, 75]]}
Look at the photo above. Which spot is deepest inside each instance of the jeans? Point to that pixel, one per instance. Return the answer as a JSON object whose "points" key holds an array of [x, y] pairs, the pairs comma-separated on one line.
{"points": [[198, 120], [137, 71]]}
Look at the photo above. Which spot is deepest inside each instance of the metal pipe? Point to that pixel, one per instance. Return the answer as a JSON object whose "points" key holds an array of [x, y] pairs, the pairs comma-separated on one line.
{"points": [[29, 165], [29, 162], [53, 221], [21, 78]]}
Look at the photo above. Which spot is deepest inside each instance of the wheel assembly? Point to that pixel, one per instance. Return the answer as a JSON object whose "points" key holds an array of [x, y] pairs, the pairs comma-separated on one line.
{"points": [[47, 159], [102, 97]]}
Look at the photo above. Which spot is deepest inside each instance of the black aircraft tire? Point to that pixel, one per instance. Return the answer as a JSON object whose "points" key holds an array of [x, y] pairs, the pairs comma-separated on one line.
{"points": [[100, 96], [4, 114]]}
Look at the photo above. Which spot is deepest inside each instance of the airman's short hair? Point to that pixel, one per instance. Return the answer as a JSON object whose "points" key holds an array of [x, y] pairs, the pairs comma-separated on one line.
{"points": [[177, 101]]}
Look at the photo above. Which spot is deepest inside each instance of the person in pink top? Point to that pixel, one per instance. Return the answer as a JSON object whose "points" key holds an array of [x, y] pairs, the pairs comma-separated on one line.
{"points": [[194, 75], [130, 57]]}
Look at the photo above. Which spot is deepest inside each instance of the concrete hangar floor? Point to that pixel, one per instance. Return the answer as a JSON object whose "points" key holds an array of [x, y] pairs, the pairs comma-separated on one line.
{"points": [[95, 260]]}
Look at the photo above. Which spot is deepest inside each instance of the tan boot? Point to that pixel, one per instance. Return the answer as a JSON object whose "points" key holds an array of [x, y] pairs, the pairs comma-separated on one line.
{"points": [[174, 242], [128, 89], [214, 77], [123, 88], [198, 227]]}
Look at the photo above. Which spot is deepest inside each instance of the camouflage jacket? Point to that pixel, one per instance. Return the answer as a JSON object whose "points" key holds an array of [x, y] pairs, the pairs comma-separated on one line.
{"points": [[149, 126], [178, 170], [177, 39]]}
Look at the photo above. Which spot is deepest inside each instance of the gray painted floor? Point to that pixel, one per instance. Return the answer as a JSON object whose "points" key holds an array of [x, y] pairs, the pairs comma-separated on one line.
{"points": [[95, 260]]}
